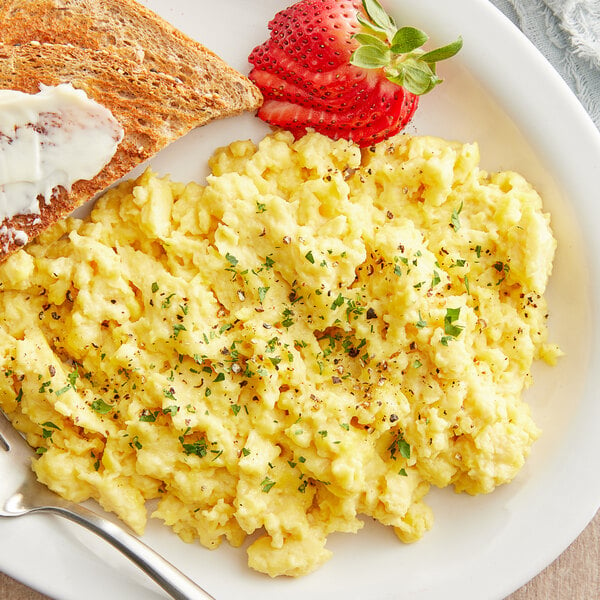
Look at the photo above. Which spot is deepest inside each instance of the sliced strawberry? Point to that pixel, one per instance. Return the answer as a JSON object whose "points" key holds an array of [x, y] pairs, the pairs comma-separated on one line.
{"points": [[363, 123], [275, 88], [268, 57], [317, 72], [319, 32], [361, 92]]}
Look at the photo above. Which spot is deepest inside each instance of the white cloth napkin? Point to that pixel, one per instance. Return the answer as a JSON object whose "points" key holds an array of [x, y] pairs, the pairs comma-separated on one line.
{"points": [[567, 32]]}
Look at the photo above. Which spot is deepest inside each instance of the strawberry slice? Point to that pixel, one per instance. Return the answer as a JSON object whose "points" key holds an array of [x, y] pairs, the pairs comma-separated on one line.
{"points": [[387, 117], [320, 34], [269, 57], [359, 92], [343, 68]]}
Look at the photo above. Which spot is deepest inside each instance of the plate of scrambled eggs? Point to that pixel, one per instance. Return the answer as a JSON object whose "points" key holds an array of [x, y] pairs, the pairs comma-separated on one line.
{"points": [[296, 367]]}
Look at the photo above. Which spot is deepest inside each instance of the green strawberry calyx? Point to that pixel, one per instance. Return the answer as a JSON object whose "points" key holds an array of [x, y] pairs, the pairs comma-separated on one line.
{"points": [[398, 51]]}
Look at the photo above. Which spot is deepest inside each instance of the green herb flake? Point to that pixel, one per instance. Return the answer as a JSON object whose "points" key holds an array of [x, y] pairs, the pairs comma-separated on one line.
{"points": [[450, 327], [399, 446], [267, 484], [455, 217], [232, 260], [135, 443], [148, 416], [101, 407], [167, 301], [169, 393], [51, 425], [44, 387], [262, 292], [177, 329], [224, 328], [337, 302], [72, 377], [309, 257], [198, 448]]}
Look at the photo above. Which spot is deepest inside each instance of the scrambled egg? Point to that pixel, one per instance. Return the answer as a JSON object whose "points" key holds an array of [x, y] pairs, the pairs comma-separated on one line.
{"points": [[315, 335]]}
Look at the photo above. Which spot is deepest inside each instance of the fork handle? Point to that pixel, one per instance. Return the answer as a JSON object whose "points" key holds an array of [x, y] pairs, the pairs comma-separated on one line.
{"points": [[168, 577]]}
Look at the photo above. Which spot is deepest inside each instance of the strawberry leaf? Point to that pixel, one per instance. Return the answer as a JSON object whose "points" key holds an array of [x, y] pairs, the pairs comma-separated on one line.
{"points": [[414, 76], [407, 39], [443, 53], [367, 39], [370, 57], [369, 24], [379, 17], [401, 54]]}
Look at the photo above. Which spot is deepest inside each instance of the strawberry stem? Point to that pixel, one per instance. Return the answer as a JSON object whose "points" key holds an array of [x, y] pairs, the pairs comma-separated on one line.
{"points": [[400, 54]]}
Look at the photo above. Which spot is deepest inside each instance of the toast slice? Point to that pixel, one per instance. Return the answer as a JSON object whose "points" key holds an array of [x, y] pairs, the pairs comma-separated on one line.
{"points": [[152, 108], [135, 30], [157, 82]]}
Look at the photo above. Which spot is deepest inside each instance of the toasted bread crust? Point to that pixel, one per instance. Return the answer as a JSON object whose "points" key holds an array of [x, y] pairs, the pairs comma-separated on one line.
{"points": [[157, 82], [134, 30]]}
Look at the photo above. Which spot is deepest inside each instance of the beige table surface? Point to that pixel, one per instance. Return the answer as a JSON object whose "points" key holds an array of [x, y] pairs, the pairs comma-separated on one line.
{"points": [[575, 575]]}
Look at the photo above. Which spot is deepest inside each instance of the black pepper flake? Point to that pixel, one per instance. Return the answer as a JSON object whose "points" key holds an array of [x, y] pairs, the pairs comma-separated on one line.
{"points": [[393, 418], [335, 379], [371, 314]]}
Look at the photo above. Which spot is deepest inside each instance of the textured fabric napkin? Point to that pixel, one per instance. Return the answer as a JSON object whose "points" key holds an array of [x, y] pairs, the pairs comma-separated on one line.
{"points": [[567, 32]]}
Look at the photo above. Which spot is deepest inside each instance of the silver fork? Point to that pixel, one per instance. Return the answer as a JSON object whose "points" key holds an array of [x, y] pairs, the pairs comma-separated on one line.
{"points": [[21, 493]]}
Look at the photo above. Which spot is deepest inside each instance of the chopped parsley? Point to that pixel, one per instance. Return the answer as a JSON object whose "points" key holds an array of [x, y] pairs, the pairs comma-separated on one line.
{"points": [[399, 446], [267, 484], [262, 292], [198, 448], [454, 219], [101, 407], [450, 326]]}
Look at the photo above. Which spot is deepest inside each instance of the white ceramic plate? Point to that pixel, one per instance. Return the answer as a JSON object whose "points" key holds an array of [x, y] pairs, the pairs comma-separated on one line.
{"points": [[502, 93]]}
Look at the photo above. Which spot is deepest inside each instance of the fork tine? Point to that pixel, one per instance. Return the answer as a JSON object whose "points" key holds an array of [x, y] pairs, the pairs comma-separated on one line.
{"points": [[9, 436]]}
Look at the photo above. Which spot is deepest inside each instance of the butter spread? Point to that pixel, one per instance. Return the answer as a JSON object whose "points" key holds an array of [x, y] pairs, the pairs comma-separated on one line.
{"points": [[50, 139]]}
